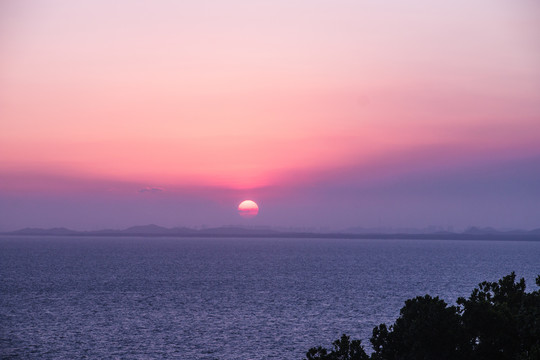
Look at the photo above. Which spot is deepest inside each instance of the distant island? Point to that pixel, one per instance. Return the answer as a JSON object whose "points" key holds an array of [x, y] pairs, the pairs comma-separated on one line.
{"points": [[472, 233]]}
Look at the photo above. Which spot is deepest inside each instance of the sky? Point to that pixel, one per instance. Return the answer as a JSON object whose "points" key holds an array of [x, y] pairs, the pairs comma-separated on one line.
{"points": [[328, 114]]}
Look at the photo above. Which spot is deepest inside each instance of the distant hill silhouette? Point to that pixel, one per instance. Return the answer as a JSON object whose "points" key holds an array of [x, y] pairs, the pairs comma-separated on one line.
{"points": [[37, 231], [490, 230], [152, 230]]}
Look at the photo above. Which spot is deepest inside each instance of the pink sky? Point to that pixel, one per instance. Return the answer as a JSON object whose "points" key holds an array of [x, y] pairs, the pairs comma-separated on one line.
{"points": [[311, 107]]}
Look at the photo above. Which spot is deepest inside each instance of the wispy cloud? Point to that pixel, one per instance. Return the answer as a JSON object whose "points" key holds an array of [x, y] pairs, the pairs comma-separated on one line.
{"points": [[152, 190]]}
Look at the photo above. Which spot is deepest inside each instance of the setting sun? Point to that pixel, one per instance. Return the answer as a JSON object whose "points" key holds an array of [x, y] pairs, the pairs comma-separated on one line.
{"points": [[248, 209]]}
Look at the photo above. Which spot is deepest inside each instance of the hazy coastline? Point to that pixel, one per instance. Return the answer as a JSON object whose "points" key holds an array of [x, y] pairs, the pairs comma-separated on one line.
{"points": [[472, 233]]}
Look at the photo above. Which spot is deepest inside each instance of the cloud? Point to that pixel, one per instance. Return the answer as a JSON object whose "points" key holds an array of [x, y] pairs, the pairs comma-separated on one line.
{"points": [[152, 190]]}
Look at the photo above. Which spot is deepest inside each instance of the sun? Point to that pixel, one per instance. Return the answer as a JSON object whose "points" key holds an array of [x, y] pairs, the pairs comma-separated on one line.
{"points": [[248, 209]]}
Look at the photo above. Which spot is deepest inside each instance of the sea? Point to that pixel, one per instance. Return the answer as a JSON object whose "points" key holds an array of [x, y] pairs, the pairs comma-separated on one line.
{"points": [[226, 298]]}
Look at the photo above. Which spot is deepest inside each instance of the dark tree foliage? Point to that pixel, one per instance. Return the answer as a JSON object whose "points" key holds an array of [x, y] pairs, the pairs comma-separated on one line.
{"points": [[344, 349], [499, 321], [502, 320], [426, 329]]}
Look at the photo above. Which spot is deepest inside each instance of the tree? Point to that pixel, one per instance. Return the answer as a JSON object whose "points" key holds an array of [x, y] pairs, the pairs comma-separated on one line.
{"points": [[499, 321], [344, 349], [427, 328], [502, 321]]}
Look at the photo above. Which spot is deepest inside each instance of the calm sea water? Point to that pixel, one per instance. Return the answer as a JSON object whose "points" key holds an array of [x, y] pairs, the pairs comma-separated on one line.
{"points": [[154, 298]]}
